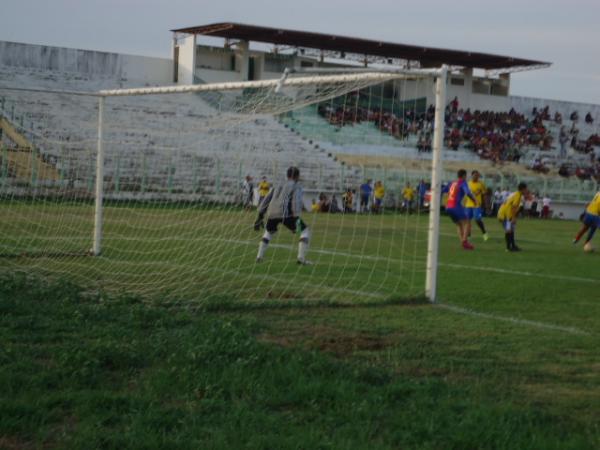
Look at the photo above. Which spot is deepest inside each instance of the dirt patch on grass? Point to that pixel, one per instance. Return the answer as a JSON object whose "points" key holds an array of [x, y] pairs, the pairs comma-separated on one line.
{"points": [[14, 442], [331, 340]]}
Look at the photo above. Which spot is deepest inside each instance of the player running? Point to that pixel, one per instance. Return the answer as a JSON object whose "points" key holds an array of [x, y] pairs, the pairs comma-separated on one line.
{"points": [[457, 191], [507, 215], [474, 208], [283, 204], [590, 219]]}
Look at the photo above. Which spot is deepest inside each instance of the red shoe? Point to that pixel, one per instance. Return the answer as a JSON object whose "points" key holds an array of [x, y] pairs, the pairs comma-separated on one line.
{"points": [[468, 246]]}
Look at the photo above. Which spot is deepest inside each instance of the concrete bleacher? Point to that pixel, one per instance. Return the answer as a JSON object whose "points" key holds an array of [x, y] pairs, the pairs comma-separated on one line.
{"points": [[176, 144]]}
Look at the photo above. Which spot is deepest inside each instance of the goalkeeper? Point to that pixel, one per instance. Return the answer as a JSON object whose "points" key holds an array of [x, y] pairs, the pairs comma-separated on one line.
{"points": [[283, 204]]}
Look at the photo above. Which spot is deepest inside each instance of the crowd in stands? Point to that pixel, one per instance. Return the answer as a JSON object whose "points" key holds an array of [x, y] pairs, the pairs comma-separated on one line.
{"points": [[494, 136]]}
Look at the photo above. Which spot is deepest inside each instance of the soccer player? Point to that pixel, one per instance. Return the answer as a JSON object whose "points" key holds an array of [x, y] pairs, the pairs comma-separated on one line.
{"points": [[590, 219], [378, 195], [408, 196], [457, 191], [507, 215], [263, 189], [283, 204], [474, 208]]}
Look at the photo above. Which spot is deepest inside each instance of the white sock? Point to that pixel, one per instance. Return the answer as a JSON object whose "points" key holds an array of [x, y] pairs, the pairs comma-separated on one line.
{"points": [[264, 243], [303, 245]]}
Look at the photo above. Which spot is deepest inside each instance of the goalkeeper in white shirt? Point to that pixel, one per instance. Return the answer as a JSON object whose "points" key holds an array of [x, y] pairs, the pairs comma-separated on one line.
{"points": [[283, 204]]}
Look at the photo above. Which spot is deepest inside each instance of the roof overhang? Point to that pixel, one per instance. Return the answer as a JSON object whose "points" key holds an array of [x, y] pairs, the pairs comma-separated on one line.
{"points": [[425, 56]]}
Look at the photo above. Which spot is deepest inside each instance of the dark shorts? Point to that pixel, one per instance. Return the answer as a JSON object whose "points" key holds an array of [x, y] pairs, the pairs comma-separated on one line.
{"points": [[364, 200], [457, 214], [288, 222]]}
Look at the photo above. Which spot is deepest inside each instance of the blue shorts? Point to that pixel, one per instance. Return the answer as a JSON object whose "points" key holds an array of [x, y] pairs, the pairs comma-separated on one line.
{"points": [[591, 220], [457, 214], [474, 213]]}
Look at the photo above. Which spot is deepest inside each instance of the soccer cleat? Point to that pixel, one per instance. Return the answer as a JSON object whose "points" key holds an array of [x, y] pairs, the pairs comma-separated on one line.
{"points": [[575, 241], [468, 246], [516, 249], [304, 262], [259, 260], [485, 237]]}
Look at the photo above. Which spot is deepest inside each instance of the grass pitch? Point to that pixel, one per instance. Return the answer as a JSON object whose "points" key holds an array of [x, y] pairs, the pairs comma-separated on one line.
{"points": [[343, 354]]}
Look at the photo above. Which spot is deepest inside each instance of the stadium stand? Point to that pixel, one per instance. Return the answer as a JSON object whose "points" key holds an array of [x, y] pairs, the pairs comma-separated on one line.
{"points": [[214, 167]]}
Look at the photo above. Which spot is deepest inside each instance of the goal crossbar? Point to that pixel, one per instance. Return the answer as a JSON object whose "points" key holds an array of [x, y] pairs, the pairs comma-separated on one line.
{"points": [[375, 77]]}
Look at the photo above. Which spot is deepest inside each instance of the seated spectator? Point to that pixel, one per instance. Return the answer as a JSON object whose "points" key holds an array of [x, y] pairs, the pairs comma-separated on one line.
{"points": [[558, 118], [314, 207], [348, 201], [574, 116], [424, 142], [588, 118], [324, 204], [333, 205], [563, 170]]}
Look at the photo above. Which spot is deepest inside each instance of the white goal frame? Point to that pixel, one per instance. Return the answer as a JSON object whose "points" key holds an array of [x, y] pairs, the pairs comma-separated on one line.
{"points": [[374, 75]]}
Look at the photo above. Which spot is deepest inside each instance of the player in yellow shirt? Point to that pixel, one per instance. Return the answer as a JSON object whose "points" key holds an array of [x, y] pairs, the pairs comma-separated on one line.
{"points": [[473, 209], [378, 194], [408, 196], [590, 219], [263, 189], [507, 215]]}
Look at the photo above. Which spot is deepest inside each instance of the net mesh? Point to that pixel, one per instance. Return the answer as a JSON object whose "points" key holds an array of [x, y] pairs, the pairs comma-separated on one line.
{"points": [[178, 211]]}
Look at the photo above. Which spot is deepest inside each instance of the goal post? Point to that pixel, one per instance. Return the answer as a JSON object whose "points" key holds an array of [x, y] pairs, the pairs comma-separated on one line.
{"points": [[436, 187], [157, 177]]}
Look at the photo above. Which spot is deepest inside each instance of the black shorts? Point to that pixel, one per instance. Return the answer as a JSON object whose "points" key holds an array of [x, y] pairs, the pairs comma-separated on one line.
{"points": [[364, 200], [288, 222]]}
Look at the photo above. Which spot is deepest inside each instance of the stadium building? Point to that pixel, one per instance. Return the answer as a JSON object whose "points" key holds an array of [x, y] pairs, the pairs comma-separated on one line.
{"points": [[241, 58], [334, 156]]}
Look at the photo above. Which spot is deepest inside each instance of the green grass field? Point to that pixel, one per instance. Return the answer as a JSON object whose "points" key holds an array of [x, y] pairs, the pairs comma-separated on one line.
{"points": [[175, 338]]}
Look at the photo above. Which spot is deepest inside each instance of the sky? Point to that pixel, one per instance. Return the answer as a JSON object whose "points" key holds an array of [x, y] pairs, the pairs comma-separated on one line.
{"points": [[564, 32]]}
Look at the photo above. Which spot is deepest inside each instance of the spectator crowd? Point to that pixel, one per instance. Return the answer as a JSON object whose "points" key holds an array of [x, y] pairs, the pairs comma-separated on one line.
{"points": [[494, 136]]}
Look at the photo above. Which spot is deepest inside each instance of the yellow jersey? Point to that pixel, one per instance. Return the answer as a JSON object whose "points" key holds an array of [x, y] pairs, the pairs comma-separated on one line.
{"points": [[478, 189], [408, 193], [510, 207], [263, 188], [594, 206], [379, 192], [315, 207]]}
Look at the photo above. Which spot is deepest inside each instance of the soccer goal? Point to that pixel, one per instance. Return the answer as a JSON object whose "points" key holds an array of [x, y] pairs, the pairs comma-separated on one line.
{"points": [[155, 191]]}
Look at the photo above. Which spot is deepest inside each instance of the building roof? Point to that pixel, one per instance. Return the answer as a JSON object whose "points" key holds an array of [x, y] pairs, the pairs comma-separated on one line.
{"points": [[427, 56]]}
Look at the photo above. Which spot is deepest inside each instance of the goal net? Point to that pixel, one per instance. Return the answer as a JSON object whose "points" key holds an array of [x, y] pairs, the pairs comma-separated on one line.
{"points": [[155, 191]]}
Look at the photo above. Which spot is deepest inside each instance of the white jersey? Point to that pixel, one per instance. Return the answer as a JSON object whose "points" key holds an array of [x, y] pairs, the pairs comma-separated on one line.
{"points": [[283, 201]]}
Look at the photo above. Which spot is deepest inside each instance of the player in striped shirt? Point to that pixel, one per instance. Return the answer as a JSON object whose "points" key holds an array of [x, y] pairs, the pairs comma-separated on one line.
{"points": [[283, 205], [457, 191], [507, 215], [590, 219]]}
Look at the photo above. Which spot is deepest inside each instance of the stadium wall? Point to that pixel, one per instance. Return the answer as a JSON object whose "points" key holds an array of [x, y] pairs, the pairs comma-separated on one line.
{"points": [[132, 68]]}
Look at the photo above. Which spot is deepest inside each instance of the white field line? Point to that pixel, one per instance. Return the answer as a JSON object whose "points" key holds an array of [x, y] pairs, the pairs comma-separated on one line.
{"points": [[458, 309], [521, 272], [513, 320], [443, 264]]}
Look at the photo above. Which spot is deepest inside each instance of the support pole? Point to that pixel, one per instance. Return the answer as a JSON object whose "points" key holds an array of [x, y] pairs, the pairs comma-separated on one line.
{"points": [[99, 181], [436, 186]]}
